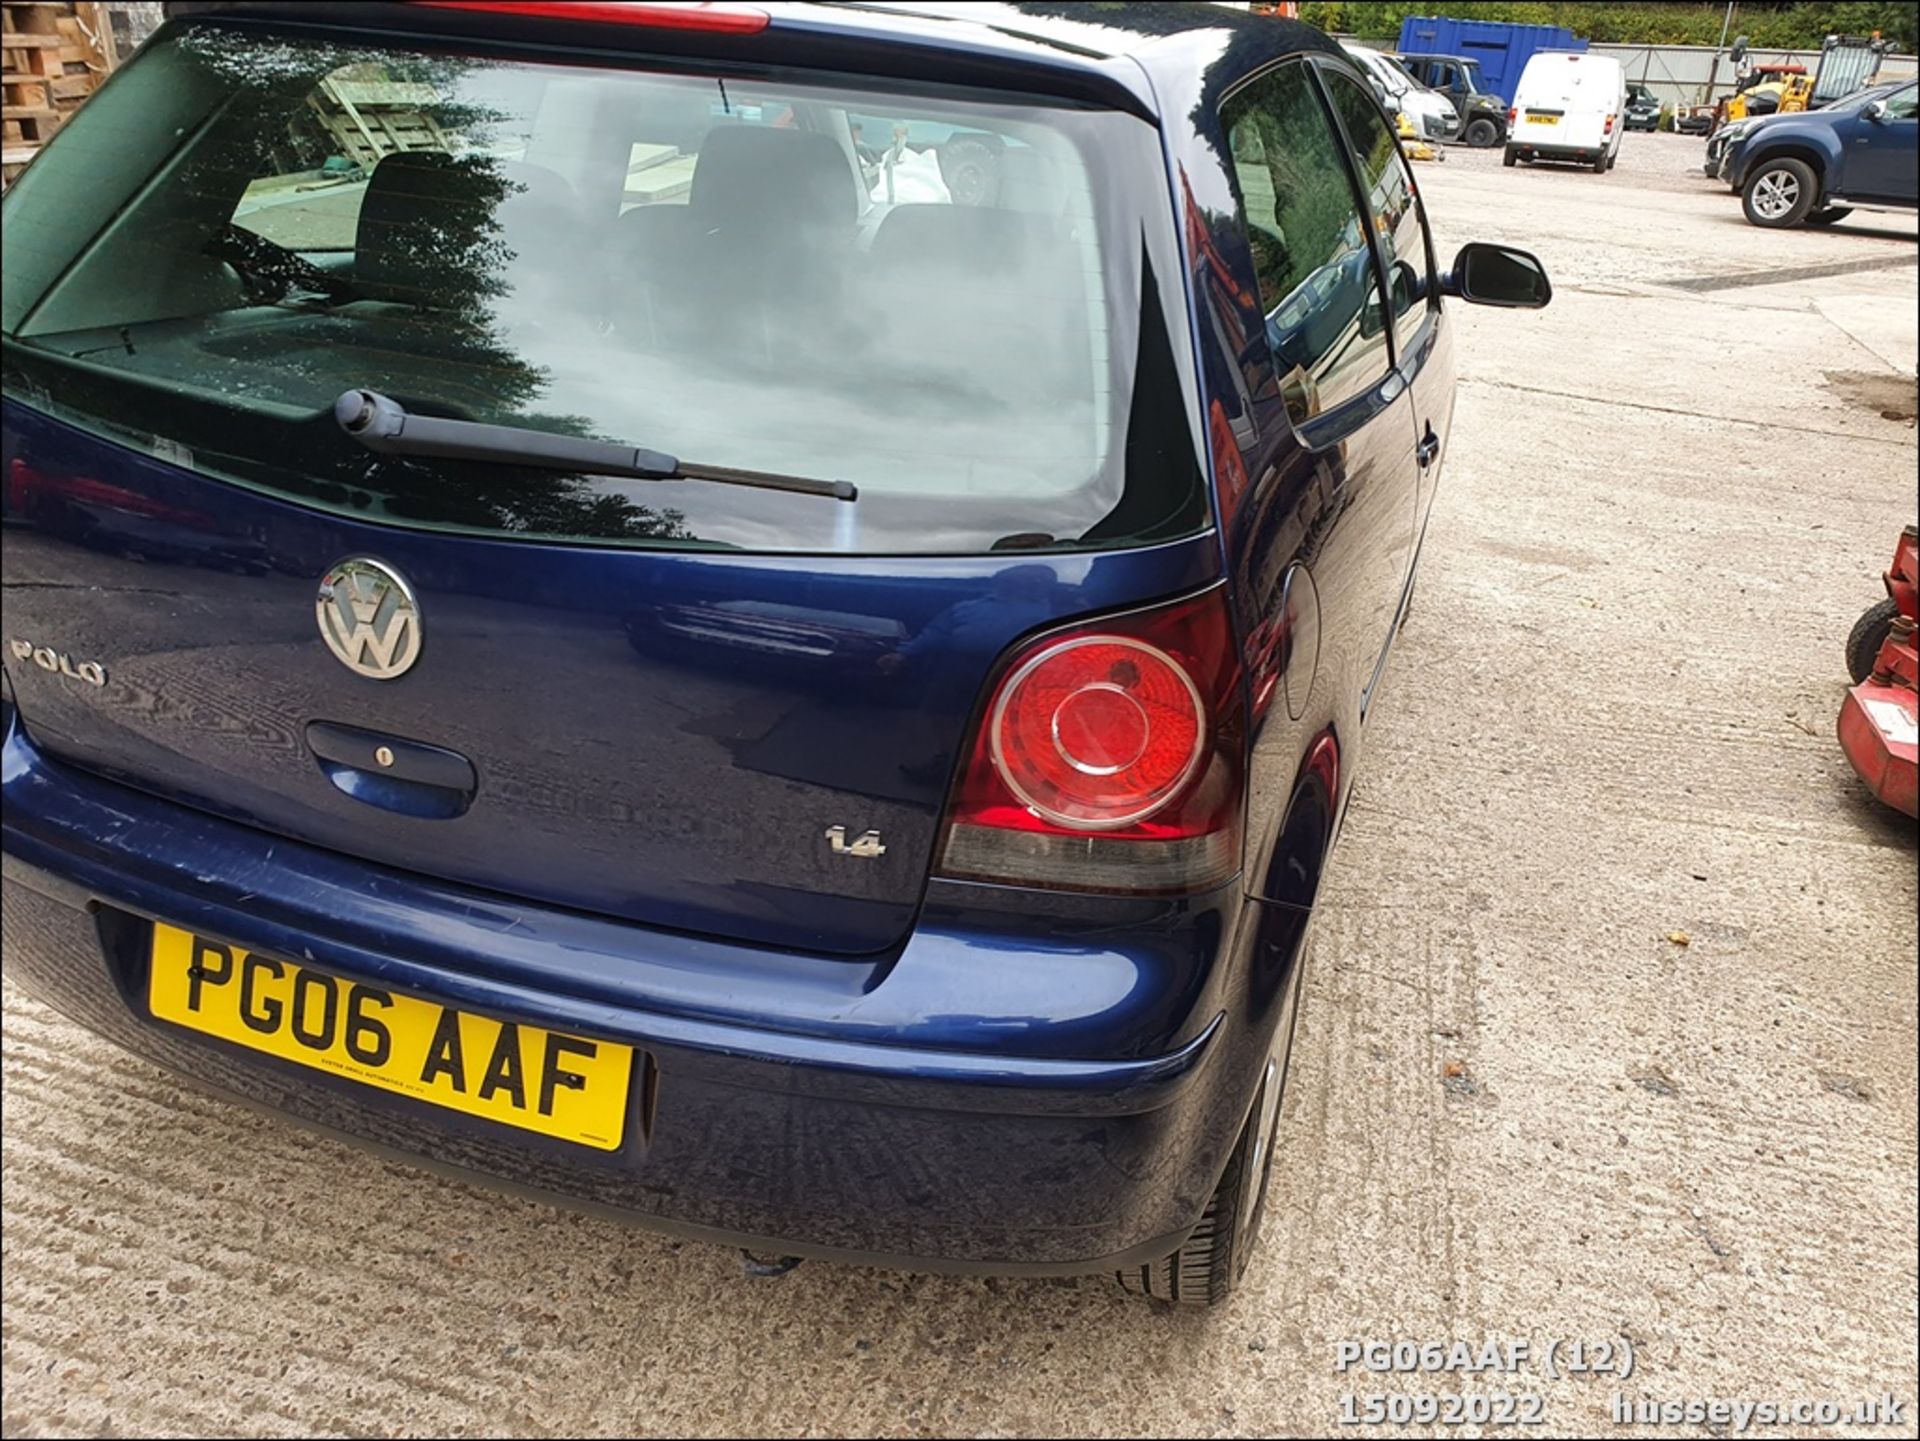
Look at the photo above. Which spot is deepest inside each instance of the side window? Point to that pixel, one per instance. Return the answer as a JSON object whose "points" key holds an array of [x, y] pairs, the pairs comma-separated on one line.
{"points": [[1901, 104], [1317, 282], [1395, 216]]}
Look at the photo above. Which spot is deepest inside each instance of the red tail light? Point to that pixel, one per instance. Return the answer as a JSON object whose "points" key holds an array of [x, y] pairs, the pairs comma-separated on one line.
{"points": [[1608, 128], [736, 20], [1513, 115], [1109, 759]]}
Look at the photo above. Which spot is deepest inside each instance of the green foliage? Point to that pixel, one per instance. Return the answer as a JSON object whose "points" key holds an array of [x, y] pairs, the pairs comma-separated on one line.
{"points": [[1795, 25]]}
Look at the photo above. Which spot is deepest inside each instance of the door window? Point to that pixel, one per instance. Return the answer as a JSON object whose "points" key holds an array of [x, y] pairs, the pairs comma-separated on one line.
{"points": [[1901, 105], [1394, 213], [1317, 282]]}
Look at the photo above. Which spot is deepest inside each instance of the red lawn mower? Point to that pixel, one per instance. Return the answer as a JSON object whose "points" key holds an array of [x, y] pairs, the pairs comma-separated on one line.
{"points": [[1880, 718]]}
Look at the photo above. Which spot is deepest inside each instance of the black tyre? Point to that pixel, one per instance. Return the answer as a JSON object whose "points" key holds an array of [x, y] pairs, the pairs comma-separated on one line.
{"points": [[1779, 193], [1481, 133], [1830, 215], [1511, 157], [1600, 163], [1865, 639], [1206, 1268]]}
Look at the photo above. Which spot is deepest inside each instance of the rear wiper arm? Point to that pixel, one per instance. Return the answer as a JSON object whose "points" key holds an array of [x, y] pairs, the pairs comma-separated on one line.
{"points": [[384, 425]]}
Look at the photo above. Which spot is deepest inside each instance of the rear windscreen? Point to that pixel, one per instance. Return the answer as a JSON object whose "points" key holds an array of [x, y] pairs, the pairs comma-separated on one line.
{"points": [[966, 308]]}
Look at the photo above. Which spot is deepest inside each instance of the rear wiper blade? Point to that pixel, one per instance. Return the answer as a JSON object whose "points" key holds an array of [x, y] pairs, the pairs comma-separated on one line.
{"points": [[384, 425]]}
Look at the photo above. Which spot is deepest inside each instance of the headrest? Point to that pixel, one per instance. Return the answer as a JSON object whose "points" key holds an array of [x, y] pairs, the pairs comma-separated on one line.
{"points": [[750, 174], [423, 221]]}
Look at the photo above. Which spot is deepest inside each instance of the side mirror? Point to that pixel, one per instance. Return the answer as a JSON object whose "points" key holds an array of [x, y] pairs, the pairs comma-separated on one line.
{"points": [[1877, 111], [1486, 274]]}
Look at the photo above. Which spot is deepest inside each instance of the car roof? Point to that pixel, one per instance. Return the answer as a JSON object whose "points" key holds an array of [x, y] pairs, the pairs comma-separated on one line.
{"points": [[1106, 30], [1108, 44]]}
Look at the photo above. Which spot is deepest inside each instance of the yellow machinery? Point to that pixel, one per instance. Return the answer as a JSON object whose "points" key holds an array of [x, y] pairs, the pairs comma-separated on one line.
{"points": [[1789, 84], [1411, 141]]}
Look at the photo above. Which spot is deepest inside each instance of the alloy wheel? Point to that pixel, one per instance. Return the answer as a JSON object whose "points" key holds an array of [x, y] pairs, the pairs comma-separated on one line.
{"points": [[1776, 193]]}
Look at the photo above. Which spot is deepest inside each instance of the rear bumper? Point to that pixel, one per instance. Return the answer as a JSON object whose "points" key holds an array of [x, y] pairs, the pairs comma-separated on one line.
{"points": [[1517, 143], [913, 1120]]}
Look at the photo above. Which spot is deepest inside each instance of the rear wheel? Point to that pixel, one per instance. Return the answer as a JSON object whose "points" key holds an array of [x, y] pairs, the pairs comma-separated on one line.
{"points": [[1210, 1263], [1779, 193], [1600, 163], [1869, 633], [1481, 133], [1511, 157], [1830, 215]]}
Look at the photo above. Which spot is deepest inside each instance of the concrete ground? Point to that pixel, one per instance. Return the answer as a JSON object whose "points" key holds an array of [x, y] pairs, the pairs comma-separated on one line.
{"points": [[1518, 1109]]}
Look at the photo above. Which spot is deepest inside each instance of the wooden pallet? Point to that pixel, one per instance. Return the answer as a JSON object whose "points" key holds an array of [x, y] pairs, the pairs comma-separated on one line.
{"points": [[52, 55], [372, 116]]}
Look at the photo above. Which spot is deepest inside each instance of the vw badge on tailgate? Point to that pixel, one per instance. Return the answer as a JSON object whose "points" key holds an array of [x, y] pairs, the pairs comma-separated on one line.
{"points": [[369, 618]]}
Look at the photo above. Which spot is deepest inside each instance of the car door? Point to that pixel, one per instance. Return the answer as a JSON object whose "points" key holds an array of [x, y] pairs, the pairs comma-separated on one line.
{"points": [[1446, 77], [1317, 546], [1422, 351], [1881, 149]]}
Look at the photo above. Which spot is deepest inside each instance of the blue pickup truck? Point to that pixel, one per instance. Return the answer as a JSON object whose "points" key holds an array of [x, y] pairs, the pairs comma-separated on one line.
{"points": [[1814, 168]]}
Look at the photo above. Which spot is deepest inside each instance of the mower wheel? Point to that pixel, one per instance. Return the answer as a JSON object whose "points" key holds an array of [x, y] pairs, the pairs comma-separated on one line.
{"points": [[1869, 633], [1481, 133]]}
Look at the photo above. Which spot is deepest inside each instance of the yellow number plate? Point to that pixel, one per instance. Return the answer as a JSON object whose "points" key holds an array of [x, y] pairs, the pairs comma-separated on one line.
{"points": [[1543, 120], [545, 1081]]}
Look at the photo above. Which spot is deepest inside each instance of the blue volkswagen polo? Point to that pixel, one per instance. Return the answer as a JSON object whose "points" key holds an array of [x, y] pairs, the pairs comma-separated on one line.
{"points": [[567, 620]]}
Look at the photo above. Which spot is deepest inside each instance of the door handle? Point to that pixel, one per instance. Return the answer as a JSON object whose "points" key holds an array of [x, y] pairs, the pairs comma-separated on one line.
{"points": [[1429, 447]]}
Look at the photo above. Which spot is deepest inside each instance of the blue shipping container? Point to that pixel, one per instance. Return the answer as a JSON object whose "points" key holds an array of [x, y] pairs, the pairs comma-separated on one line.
{"points": [[1502, 50]]}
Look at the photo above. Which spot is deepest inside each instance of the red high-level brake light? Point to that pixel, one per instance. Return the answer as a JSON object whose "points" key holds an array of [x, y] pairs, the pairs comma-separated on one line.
{"points": [[722, 19]]}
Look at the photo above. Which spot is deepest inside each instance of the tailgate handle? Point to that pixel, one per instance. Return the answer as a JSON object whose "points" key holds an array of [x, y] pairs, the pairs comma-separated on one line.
{"points": [[404, 776]]}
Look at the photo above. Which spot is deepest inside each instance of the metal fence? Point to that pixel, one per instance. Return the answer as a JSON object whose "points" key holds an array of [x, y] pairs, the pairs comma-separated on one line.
{"points": [[1695, 74]]}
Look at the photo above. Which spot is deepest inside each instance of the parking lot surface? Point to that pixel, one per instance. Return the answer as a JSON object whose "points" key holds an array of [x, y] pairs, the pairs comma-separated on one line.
{"points": [[1517, 1109]]}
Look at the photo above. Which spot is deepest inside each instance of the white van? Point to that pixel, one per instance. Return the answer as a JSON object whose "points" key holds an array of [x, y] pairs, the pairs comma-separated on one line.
{"points": [[1568, 107], [1432, 114]]}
